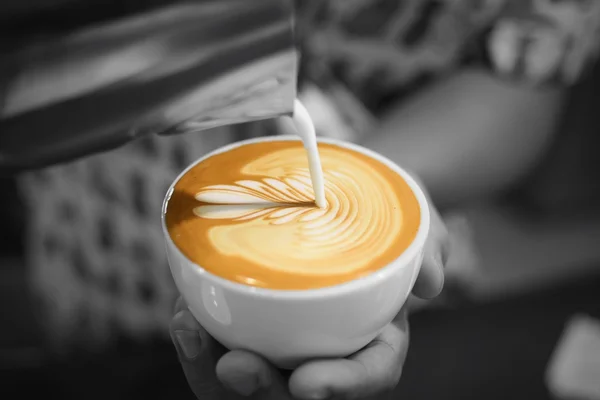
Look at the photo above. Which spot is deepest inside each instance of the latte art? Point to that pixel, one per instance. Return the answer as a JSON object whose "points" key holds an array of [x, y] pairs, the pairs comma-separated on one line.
{"points": [[294, 189], [255, 221], [302, 238]]}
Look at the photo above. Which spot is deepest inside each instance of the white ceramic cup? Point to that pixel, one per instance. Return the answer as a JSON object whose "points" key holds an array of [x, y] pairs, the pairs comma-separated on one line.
{"points": [[289, 327]]}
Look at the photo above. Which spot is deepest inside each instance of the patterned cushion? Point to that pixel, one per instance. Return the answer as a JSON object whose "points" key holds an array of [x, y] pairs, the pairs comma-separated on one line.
{"points": [[94, 237]]}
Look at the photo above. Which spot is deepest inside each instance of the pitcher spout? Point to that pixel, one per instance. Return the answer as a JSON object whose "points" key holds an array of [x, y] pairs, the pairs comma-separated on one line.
{"points": [[261, 89]]}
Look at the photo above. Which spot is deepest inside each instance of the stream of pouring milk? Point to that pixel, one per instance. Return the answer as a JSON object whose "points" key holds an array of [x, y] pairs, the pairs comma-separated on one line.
{"points": [[305, 128]]}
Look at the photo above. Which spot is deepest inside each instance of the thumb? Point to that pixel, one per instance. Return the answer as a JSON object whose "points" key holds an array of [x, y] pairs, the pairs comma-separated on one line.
{"points": [[198, 354]]}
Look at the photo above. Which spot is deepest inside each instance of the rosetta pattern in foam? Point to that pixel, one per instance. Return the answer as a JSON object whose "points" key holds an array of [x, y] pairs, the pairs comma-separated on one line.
{"points": [[273, 222], [295, 188]]}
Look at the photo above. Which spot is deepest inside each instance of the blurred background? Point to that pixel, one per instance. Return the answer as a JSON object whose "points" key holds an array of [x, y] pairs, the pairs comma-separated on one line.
{"points": [[532, 264]]}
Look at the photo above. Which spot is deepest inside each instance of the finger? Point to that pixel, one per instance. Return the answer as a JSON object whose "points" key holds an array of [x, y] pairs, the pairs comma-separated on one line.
{"points": [[248, 374], [430, 281], [198, 354], [462, 265], [373, 370], [180, 304]]}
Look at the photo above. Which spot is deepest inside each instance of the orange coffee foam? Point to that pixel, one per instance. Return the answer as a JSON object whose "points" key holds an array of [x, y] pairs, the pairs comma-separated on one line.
{"points": [[248, 215]]}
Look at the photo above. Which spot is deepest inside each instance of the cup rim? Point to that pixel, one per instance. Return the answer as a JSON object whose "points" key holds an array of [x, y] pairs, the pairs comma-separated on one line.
{"points": [[411, 252]]}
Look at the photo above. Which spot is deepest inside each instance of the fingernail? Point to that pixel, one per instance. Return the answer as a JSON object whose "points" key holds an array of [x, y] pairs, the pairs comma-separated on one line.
{"points": [[318, 396], [245, 387], [265, 380], [437, 260], [189, 342]]}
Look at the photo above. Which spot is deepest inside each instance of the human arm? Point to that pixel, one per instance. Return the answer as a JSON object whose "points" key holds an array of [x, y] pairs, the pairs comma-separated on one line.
{"points": [[470, 135], [480, 130]]}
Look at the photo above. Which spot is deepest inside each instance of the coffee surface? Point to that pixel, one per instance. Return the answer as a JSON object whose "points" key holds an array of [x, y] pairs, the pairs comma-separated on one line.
{"points": [[248, 215]]}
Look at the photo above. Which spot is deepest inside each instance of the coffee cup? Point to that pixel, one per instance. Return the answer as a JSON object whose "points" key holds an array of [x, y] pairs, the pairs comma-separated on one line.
{"points": [[289, 327]]}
